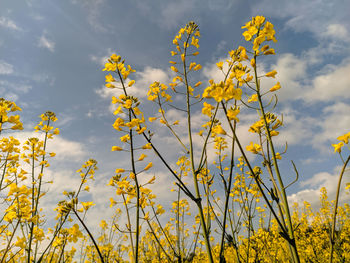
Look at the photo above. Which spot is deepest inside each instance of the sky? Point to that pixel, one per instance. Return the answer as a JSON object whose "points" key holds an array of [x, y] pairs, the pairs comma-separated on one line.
{"points": [[52, 54]]}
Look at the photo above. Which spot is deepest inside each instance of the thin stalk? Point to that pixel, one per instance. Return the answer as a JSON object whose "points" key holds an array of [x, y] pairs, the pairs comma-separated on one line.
{"points": [[227, 199], [137, 234], [194, 172], [129, 225], [90, 235], [291, 238], [178, 225], [332, 241], [33, 204]]}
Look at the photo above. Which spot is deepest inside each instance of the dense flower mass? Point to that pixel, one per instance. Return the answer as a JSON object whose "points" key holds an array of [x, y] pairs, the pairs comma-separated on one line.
{"points": [[229, 198]]}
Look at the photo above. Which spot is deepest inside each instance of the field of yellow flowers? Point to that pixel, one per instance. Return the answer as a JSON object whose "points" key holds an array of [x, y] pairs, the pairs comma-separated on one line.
{"points": [[253, 223]]}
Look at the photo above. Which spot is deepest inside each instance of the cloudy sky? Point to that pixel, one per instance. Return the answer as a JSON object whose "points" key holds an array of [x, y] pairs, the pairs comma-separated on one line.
{"points": [[52, 53]]}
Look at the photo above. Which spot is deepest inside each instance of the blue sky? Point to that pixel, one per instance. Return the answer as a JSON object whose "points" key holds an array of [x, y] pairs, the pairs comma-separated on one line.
{"points": [[52, 53]]}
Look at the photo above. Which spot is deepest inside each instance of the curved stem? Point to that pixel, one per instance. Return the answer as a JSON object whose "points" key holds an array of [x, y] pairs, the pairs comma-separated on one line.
{"points": [[90, 235]]}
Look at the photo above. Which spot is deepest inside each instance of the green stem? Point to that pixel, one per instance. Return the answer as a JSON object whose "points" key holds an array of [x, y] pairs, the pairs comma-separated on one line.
{"points": [[90, 235], [194, 172], [332, 241], [137, 234], [291, 239], [227, 199]]}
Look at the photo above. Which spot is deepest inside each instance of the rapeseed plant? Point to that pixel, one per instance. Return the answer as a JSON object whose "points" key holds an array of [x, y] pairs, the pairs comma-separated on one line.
{"points": [[253, 223]]}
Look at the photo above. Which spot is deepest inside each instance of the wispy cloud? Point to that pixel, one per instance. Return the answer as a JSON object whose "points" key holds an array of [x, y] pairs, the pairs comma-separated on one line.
{"points": [[5, 68], [8, 23], [93, 8], [313, 16], [47, 43]]}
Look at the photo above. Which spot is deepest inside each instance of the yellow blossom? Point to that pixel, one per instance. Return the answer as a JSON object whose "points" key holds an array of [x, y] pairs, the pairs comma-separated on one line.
{"points": [[143, 156], [254, 148], [116, 148], [149, 165], [337, 147], [271, 74], [276, 87], [220, 65], [253, 98], [344, 138], [232, 114], [207, 108]]}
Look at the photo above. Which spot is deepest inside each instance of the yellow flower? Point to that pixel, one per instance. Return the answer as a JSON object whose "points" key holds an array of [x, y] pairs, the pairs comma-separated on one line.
{"points": [[87, 205], [110, 67], [258, 20], [197, 84], [345, 138], [197, 67], [337, 147], [125, 138], [274, 133], [276, 87], [149, 165], [254, 148], [115, 58], [271, 74], [119, 170], [218, 130], [103, 224], [116, 148], [109, 78], [132, 82], [207, 108], [174, 69], [252, 62], [147, 146], [270, 51], [232, 114], [143, 156], [220, 65], [253, 98]]}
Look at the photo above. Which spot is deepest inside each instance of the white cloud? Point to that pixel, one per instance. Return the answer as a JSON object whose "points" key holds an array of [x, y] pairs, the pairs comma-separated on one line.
{"points": [[291, 73], [332, 84], [315, 183], [337, 31], [146, 77], [334, 121], [5, 68], [8, 23], [47, 43], [297, 127]]}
